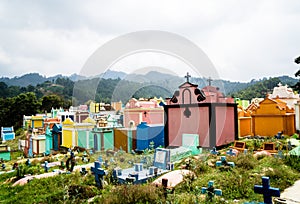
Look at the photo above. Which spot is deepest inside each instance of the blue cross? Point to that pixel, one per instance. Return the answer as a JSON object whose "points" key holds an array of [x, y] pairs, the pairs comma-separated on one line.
{"points": [[279, 154], [214, 151], [112, 160], [224, 162], [3, 166], [211, 191], [99, 173], [266, 190], [46, 167], [100, 159], [230, 152], [28, 162]]}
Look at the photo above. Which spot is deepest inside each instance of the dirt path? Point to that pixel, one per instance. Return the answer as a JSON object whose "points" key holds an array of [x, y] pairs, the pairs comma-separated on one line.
{"points": [[292, 194]]}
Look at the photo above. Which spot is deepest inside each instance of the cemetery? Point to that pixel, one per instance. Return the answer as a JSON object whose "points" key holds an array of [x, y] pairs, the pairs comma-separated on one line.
{"points": [[196, 147]]}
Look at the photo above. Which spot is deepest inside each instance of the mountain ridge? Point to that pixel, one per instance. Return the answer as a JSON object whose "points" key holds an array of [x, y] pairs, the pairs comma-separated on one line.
{"points": [[156, 77]]}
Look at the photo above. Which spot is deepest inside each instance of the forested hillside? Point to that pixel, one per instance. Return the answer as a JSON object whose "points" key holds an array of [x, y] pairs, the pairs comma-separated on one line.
{"points": [[16, 101]]}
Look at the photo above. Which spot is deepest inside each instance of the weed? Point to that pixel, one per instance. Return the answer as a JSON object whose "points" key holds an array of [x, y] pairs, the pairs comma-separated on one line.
{"points": [[245, 161], [134, 194]]}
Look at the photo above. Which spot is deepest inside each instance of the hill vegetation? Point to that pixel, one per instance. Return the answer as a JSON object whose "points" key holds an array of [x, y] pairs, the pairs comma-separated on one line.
{"points": [[16, 101]]}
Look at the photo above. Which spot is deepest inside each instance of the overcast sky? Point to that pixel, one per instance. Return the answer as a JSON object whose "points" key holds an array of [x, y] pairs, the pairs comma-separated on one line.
{"points": [[244, 39]]}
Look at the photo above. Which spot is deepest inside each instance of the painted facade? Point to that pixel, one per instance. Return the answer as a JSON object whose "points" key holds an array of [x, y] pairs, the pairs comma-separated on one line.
{"points": [[117, 106], [147, 133], [56, 136], [99, 107], [7, 133], [75, 134], [285, 94], [103, 138], [205, 112], [49, 140], [273, 116], [38, 144], [37, 122], [125, 138], [49, 122], [137, 111], [5, 152], [244, 122]]}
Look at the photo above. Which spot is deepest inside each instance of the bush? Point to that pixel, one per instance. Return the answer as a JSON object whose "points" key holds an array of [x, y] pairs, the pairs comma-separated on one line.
{"points": [[293, 162], [134, 194], [244, 161], [20, 132]]}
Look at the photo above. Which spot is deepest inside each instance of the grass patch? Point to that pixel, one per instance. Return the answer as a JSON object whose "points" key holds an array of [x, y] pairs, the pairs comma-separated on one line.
{"points": [[235, 183]]}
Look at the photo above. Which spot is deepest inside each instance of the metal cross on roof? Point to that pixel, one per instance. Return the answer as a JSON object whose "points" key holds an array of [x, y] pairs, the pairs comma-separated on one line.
{"points": [[209, 81], [187, 77]]}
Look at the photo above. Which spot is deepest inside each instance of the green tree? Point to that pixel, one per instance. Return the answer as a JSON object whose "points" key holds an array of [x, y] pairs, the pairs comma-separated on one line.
{"points": [[258, 90], [3, 90], [49, 101], [296, 87], [23, 104]]}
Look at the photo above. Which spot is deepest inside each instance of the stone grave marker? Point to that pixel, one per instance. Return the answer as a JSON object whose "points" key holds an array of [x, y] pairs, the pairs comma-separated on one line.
{"points": [[191, 141], [269, 146], [161, 158], [240, 146]]}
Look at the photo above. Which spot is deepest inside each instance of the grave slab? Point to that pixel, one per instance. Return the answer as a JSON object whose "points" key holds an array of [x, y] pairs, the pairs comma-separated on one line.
{"points": [[174, 178]]}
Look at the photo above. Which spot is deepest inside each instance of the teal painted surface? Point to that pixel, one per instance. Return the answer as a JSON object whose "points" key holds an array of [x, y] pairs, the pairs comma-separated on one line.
{"points": [[91, 140], [5, 156], [49, 140], [191, 141], [108, 140], [49, 144], [82, 138], [99, 135], [96, 141], [129, 141]]}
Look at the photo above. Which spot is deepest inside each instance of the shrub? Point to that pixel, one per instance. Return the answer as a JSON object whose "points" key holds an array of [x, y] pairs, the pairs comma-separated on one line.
{"points": [[244, 161], [134, 194], [293, 162]]}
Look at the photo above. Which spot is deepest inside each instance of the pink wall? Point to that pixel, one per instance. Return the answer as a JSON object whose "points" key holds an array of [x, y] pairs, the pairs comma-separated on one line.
{"points": [[154, 116], [225, 132], [197, 123]]}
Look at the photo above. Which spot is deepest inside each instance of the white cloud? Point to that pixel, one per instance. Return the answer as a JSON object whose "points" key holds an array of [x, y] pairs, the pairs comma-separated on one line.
{"points": [[244, 39]]}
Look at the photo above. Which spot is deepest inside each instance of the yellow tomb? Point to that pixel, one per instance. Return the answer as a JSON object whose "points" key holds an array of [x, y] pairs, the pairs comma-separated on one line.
{"points": [[273, 116], [71, 131], [244, 121]]}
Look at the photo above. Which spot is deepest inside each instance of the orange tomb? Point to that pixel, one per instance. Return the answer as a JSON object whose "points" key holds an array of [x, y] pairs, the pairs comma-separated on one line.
{"points": [[273, 116]]}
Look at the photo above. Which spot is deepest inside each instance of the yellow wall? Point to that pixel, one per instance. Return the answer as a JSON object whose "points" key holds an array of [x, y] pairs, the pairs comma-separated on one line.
{"points": [[38, 123], [271, 117], [267, 125], [244, 126], [67, 138], [68, 126]]}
